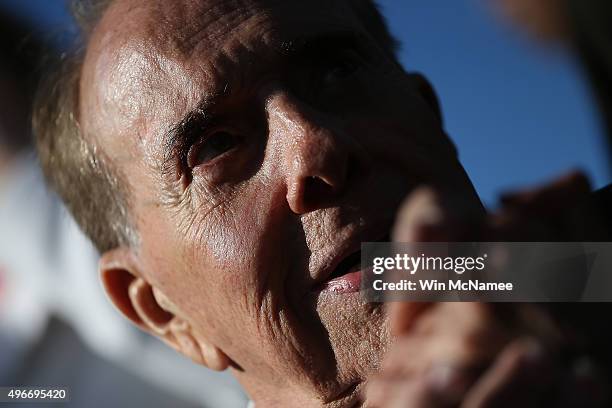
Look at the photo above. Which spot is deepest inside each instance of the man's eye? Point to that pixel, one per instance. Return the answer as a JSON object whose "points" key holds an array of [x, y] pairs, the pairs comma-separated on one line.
{"points": [[210, 148], [340, 68]]}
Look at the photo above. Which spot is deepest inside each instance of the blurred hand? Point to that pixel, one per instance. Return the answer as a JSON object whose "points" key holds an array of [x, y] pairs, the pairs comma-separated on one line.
{"points": [[555, 212], [462, 355], [488, 355], [545, 20]]}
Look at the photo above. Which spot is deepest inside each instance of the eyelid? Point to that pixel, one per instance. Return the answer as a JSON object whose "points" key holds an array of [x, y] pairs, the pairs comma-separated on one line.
{"points": [[202, 139]]}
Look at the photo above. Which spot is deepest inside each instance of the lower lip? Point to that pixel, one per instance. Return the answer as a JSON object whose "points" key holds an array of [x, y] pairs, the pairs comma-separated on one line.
{"points": [[349, 283]]}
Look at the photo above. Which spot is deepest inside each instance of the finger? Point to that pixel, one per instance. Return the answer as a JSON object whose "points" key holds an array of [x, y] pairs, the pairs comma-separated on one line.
{"points": [[390, 393], [420, 210], [441, 387], [461, 317], [519, 377], [431, 216], [448, 383], [463, 334], [403, 315], [572, 186]]}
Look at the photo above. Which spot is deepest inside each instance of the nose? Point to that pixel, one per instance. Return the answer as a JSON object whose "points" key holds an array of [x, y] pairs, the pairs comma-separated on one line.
{"points": [[319, 161]]}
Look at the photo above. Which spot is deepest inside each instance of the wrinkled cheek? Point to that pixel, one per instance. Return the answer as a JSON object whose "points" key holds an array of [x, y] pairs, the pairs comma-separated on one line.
{"points": [[245, 251]]}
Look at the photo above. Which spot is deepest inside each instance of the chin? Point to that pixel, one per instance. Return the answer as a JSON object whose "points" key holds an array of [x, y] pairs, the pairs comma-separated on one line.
{"points": [[358, 334]]}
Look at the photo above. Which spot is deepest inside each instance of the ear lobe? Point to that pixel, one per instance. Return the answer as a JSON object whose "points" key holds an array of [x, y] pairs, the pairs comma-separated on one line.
{"points": [[180, 336], [149, 309], [426, 90], [201, 352]]}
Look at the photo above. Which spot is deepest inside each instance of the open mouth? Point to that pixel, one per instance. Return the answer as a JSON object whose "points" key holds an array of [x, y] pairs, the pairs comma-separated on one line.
{"points": [[346, 277]]}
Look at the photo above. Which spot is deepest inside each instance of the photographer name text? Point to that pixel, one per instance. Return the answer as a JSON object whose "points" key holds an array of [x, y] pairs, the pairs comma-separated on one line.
{"points": [[433, 285]]}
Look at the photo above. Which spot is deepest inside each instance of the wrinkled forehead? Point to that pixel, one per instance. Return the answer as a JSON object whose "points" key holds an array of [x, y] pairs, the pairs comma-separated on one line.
{"points": [[145, 52], [195, 26]]}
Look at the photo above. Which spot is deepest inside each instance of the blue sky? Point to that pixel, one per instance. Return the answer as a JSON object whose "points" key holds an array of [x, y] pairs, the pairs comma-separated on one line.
{"points": [[519, 114]]}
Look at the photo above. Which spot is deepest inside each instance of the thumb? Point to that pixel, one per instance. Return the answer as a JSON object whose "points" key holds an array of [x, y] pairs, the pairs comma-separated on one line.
{"points": [[403, 315]]}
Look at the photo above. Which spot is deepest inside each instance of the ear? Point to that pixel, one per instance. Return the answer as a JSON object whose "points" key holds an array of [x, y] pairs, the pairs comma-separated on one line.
{"points": [[149, 309], [427, 92]]}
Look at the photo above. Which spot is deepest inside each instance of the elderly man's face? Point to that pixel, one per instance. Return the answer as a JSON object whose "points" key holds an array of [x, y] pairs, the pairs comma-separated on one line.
{"points": [[262, 142]]}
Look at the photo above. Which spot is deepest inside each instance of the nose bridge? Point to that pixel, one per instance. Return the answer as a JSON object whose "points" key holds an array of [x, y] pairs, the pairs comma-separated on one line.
{"points": [[295, 120], [314, 152]]}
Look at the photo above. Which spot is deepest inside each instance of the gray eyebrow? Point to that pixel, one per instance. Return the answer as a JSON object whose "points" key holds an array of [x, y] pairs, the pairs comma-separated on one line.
{"points": [[178, 138]]}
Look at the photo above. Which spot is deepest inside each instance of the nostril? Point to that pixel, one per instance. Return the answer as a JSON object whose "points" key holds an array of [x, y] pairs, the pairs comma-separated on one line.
{"points": [[317, 190], [311, 193]]}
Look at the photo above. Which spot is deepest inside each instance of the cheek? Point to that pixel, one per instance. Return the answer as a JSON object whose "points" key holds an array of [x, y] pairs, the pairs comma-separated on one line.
{"points": [[230, 255], [246, 233]]}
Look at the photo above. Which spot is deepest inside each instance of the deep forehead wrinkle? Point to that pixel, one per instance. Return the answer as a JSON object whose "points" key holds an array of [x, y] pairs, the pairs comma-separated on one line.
{"points": [[185, 27], [196, 26]]}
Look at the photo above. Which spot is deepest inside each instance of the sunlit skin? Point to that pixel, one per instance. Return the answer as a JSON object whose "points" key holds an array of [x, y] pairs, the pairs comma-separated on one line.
{"points": [[262, 142]]}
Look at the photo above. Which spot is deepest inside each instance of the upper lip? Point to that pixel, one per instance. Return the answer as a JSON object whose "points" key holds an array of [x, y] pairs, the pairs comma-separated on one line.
{"points": [[348, 248]]}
